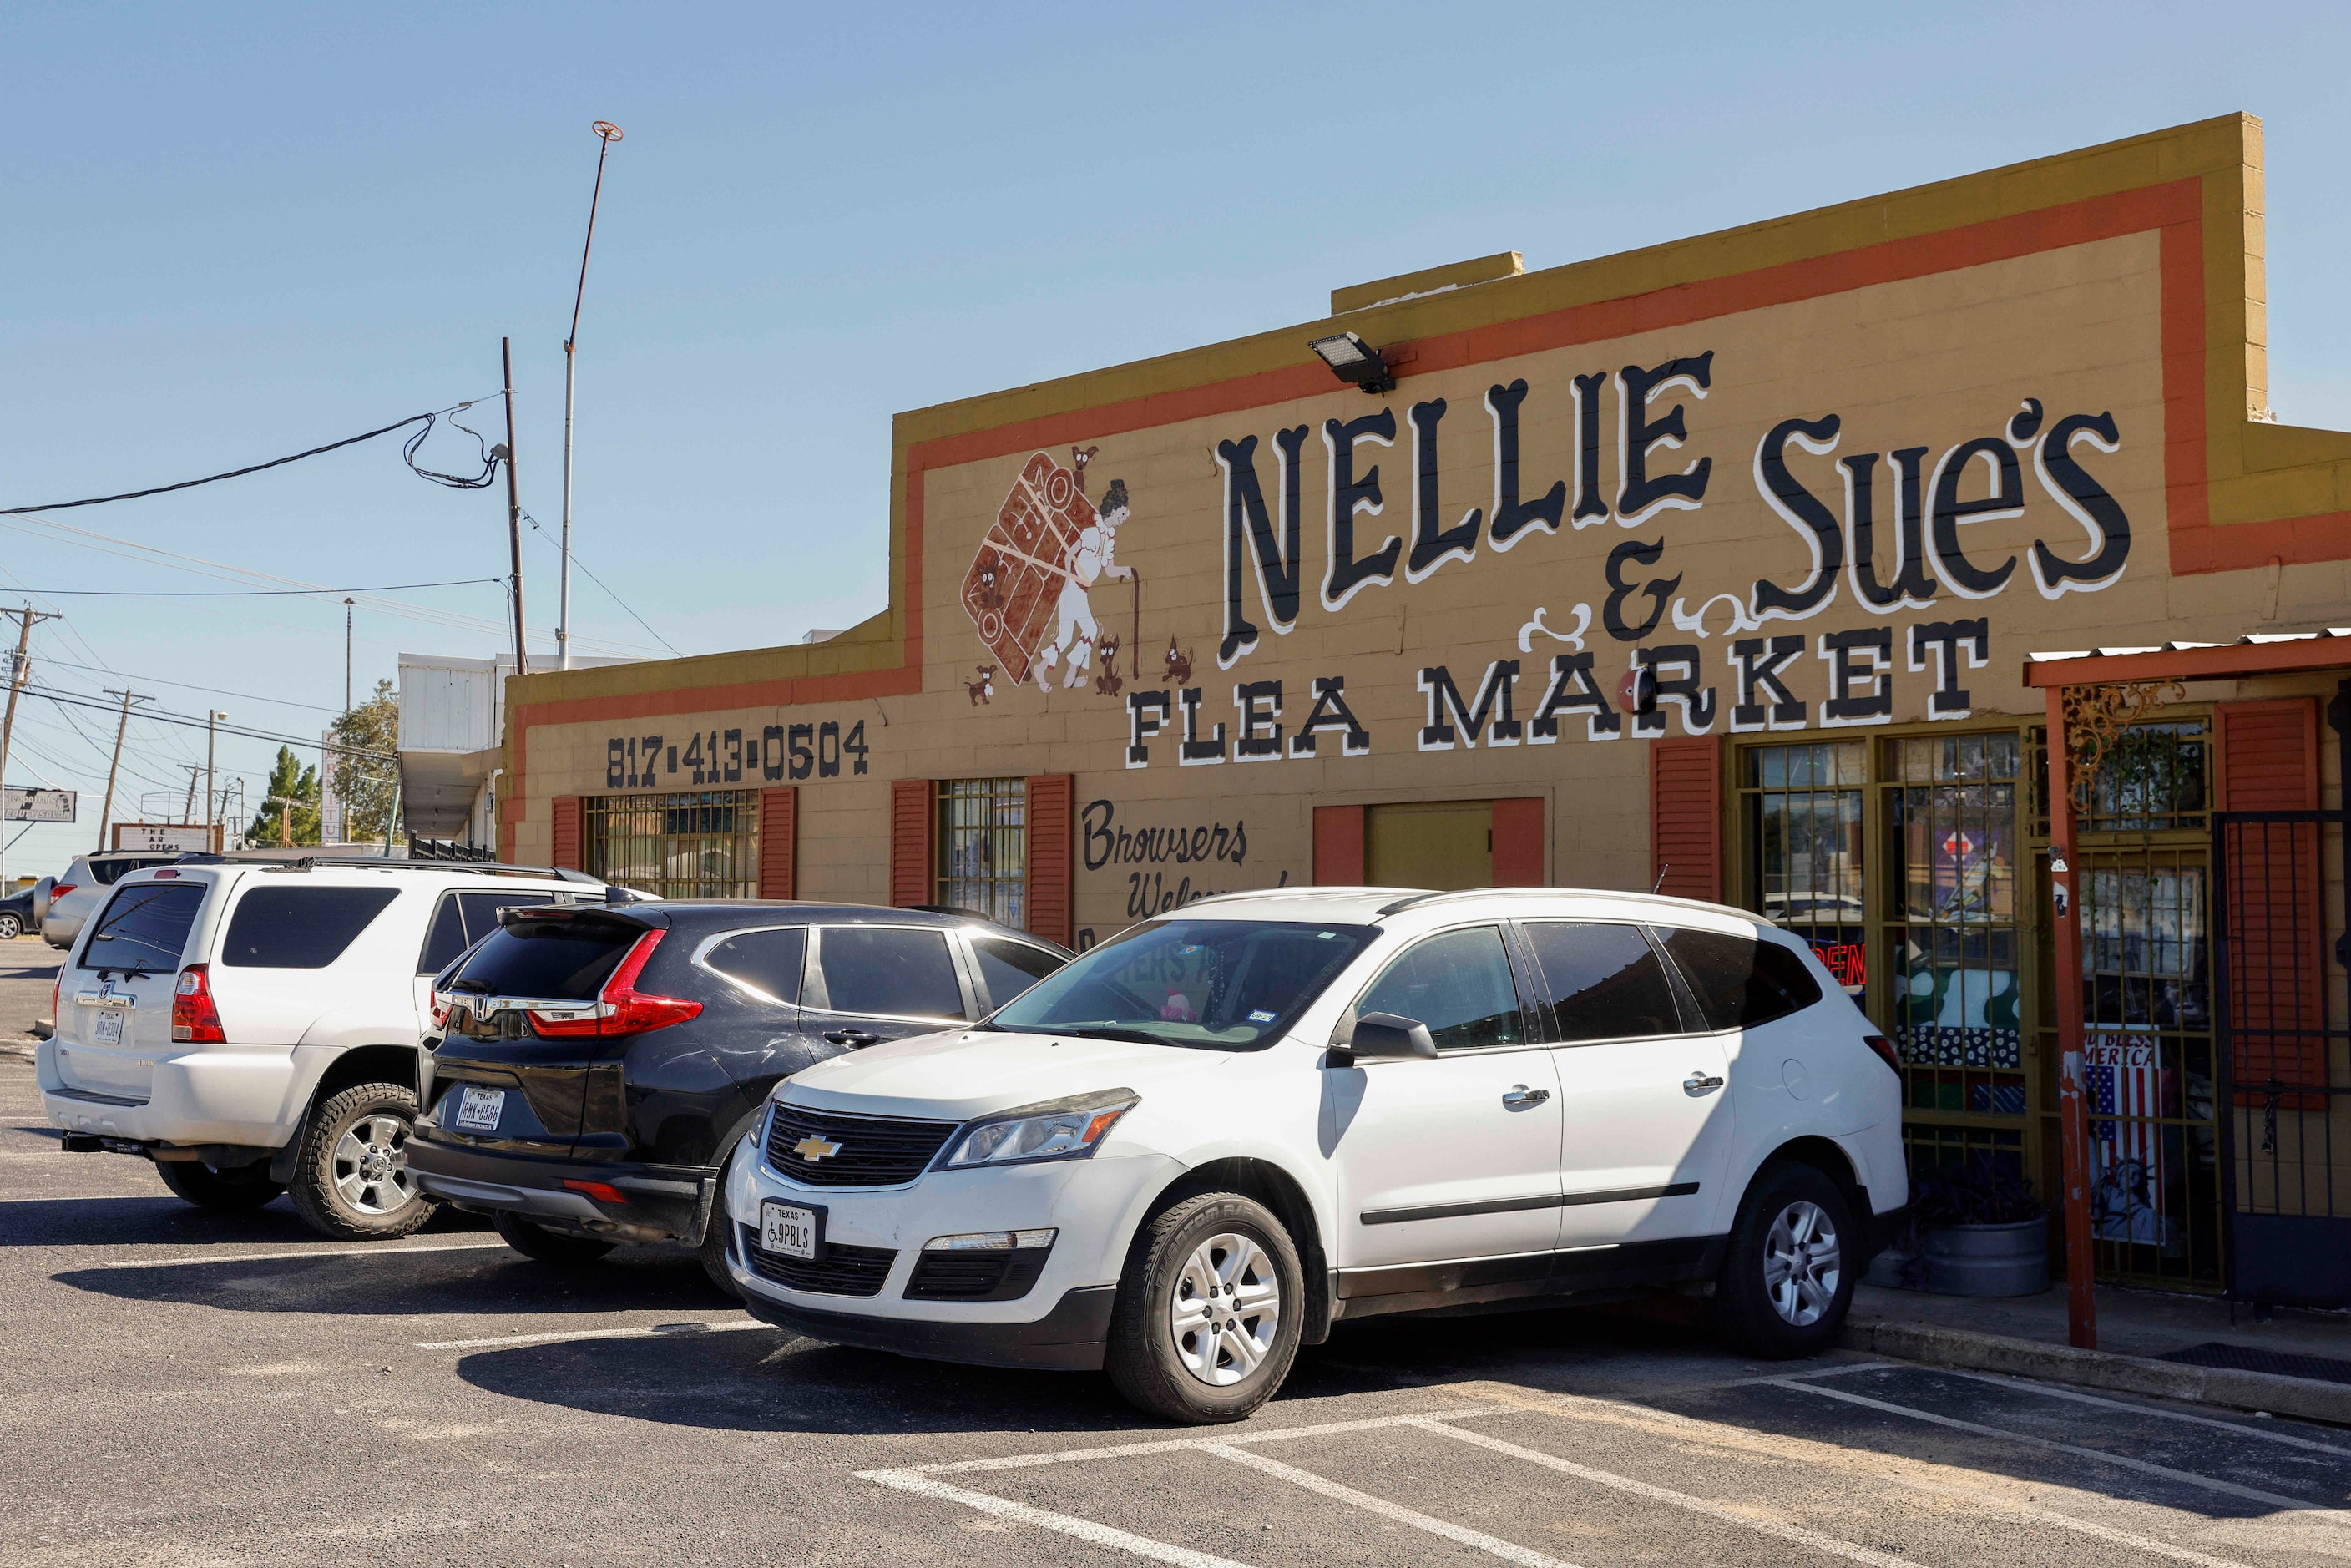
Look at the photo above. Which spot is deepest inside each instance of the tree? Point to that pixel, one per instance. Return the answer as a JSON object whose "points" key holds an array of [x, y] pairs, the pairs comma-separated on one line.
{"points": [[289, 780], [366, 771]]}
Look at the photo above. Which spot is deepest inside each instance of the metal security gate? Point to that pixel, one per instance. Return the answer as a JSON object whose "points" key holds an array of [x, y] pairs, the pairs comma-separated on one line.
{"points": [[2284, 1060]]}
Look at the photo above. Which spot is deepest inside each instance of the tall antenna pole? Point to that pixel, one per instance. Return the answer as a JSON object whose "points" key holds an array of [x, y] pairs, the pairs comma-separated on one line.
{"points": [[607, 134], [347, 658], [514, 506], [115, 766]]}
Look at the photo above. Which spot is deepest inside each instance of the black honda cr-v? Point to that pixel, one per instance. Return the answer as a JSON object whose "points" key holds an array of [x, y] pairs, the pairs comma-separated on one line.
{"points": [[597, 1066]]}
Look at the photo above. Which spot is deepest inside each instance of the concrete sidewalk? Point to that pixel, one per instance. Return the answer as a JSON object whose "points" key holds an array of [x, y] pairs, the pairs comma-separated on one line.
{"points": [[2026, 1335]]}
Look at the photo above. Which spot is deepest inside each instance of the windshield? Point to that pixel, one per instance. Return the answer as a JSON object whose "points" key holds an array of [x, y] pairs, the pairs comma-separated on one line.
{"points": [[1226, 984], [144, 927]]}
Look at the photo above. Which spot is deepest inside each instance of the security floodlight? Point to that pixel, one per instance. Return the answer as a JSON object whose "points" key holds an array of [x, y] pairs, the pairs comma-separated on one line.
{"points": [[1355, 361]]}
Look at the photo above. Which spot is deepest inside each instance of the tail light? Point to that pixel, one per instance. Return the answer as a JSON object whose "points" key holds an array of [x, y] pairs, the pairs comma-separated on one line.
{"points": [[1884, 1050], [60, 890], [619, 1008], [441, 1002], [194, 1019]]}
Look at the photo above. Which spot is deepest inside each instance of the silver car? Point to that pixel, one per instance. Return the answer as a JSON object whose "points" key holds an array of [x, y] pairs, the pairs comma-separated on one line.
{"points": [[83, 887]]}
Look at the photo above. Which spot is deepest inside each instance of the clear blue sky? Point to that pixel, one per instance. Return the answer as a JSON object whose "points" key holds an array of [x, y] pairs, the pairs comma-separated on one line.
{"points": [[235, 232]]}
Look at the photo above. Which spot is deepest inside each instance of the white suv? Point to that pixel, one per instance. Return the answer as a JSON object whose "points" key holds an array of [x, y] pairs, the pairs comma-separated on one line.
{"points": [[254, 1028], [1205, 1140]]}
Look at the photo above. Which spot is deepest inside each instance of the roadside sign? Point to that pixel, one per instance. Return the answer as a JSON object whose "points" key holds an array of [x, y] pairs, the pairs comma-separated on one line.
{"points": [[191, 838], [39, 805]]}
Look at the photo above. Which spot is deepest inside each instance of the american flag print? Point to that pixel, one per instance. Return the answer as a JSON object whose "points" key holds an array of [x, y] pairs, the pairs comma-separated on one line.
{"points": [[2122, 1077]]}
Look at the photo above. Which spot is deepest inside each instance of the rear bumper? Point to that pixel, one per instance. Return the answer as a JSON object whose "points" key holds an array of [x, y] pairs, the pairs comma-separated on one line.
{"points": [[249, 1098], [1070, 1338], [665, 1203]]}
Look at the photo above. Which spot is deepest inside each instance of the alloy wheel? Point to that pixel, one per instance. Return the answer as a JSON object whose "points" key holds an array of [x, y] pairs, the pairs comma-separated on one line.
{"points": [[1801, 1263], [371, 1165], [1225, 1309]]}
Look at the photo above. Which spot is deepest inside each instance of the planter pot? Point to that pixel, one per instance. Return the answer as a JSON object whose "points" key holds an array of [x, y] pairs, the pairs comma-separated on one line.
{"points": [[1988, 1259], [1885, 1269]]}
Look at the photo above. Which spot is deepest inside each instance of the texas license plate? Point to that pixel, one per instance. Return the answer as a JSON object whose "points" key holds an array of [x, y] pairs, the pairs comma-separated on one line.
{"points": [[106, 1029], [478, 1109], [788, 1229]]}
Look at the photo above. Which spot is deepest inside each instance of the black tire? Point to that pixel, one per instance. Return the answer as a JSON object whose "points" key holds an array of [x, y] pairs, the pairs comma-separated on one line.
{"points": [[239, 1190], [350, 1178], [715, 1236], [540, 1245], [11, 928], [1152, 1363], [1785, 1203]]}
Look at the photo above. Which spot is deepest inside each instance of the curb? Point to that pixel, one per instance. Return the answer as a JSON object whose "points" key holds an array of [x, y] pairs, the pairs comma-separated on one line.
{"points": [[2306, 1397]]}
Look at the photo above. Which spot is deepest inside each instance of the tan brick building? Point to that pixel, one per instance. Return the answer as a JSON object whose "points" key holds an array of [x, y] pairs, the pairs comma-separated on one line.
{"points": [[1717, 564]]}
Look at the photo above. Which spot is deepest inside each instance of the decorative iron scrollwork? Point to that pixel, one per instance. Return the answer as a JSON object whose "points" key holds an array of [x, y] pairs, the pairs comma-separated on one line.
{"points": [[2096, 720]]}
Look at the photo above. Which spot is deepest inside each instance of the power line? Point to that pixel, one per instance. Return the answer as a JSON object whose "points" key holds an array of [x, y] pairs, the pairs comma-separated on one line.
{"points": [[601, 583], [250, 592], [185, 720], [188, 685], [408, 452]]}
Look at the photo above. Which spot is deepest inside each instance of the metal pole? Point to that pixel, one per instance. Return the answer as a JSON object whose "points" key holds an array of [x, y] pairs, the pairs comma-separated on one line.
{"points": [[514, 506], [2066, 880], [18, 675], [120, 728], [607, 134], [188, 812], [212, 802], [347, 658]]}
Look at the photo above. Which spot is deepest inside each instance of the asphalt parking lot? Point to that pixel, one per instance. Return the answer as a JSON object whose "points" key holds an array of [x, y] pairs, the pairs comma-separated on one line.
{"points": [[181, 1387]]}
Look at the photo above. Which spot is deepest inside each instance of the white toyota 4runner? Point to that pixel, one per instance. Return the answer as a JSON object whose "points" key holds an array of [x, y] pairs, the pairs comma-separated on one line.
{"points": [[1203, 1141], [252, 1028]]}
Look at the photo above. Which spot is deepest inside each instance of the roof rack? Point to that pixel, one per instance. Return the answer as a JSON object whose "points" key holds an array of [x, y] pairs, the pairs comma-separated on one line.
{"points": [[1417, 899], [293, 862]]}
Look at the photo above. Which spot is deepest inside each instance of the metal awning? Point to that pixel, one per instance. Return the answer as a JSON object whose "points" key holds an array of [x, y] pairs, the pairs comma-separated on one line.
{"points": [[438, 788], [2256, 654]]}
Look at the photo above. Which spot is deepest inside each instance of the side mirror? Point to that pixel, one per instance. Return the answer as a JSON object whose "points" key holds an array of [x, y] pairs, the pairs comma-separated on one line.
{"points": [[1378, 1035]]}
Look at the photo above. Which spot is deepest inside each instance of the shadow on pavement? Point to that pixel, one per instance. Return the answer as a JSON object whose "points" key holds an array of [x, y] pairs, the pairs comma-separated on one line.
{"points": [[165, 1220]]}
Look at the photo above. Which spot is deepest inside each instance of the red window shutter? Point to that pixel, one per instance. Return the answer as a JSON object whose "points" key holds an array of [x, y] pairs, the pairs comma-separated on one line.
{"points": [[1519, 844], [1339, 846], [913, 865], [566, 853], [779, 842], [1052, 836], [1686, 816], [2277, 958]]}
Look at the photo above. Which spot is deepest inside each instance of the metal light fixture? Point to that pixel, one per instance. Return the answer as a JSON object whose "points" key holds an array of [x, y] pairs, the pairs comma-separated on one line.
{"points": [[1353, 360]]}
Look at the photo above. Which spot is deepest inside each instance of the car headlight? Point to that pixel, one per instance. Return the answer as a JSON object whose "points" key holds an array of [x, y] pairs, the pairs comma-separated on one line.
{"points": [[1070, 1129]]}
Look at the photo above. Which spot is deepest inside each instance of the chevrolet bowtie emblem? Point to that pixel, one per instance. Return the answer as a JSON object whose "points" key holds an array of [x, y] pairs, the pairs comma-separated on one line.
{"points": [[813, 1148]]}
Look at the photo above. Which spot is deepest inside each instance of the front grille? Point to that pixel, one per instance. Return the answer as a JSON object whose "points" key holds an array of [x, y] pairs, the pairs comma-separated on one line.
{"points": [[841, 1271], [872, 1151]]}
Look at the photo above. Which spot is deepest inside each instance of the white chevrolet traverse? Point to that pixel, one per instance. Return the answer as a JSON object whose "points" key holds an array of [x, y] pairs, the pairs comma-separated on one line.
{"points": [[1208, 1139]]}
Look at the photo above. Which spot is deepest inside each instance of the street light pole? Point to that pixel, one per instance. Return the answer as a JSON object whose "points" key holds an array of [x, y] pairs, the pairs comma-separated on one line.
{"points": [[607, 134]]}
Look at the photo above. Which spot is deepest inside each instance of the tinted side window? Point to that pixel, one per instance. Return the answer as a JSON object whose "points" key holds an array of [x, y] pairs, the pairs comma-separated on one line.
{"points": [[145, 925], [766, 961], [1010, 967], [1740, 982], [567, 962], [1459, 983], [299, 927], [446, 938], [889, 969], [1604, 981]]}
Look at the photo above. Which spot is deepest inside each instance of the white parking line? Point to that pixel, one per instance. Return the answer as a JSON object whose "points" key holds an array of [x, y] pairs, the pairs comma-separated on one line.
{"points": [[1173, 1445], [2209, 1484], [1493, 1546], [206, 1259], [1021, 1513], [655, 1330], [1827, 1457], [2242, 1428], [1795, 1532]]}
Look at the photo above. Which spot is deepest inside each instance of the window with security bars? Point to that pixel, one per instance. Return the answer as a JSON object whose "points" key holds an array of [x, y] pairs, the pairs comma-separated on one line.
{"points": [[702, 843], [1952, 943], [1803, 820], [983, 847]]}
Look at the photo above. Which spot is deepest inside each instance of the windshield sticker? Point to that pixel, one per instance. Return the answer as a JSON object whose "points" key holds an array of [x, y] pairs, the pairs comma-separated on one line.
{"points": [[1262, 1016]]}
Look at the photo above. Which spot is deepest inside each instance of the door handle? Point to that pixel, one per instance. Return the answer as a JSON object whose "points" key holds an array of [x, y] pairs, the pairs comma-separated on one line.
{"points": [[1520, 1094], [851, 1037], [1700, 1084]]}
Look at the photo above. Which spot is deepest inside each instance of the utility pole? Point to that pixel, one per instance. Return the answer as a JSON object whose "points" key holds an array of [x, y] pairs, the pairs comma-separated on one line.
{"points": [[514, 506], [19, 673], [607, 133], [121, 728], [347, 658], [188, 812], [212, 804]]}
